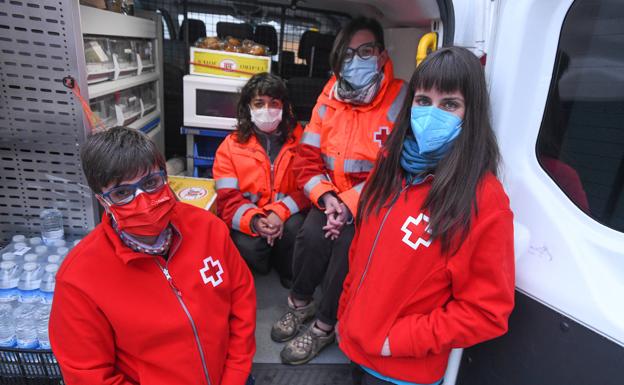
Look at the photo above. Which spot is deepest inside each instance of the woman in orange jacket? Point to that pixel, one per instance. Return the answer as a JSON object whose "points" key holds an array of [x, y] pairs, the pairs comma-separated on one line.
{"points": [[431, 267], [352, 117], [256, 191]]}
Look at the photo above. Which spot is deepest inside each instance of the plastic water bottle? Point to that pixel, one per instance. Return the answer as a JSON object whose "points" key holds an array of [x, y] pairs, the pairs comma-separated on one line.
{"points": [[59, 243], [48, 282], [43, 319], [62, 251], [43, 313], [51, 226], [7, 326], [31, 257], [35, 241], [26, 325], [9, 278], [18, 238], [54, 258], [25, 313], [29, 282], [9, 257], [42, 251]]}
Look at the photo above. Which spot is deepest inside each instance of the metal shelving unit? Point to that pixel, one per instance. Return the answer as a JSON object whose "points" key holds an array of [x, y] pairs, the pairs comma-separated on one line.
{"points": [[42, 125], [103, 25]]}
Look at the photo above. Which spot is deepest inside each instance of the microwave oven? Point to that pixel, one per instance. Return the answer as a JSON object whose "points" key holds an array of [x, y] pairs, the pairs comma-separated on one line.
{"points": [[211, 102]]}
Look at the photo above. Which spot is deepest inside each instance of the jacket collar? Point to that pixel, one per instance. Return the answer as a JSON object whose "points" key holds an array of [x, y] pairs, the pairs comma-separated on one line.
{"points": [[125, 253]]}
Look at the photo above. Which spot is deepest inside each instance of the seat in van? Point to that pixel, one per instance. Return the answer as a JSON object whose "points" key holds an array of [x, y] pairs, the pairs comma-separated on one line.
{"points": [[266, 35], [240, 31], [303, 92], [314, 48], [196, 30]]}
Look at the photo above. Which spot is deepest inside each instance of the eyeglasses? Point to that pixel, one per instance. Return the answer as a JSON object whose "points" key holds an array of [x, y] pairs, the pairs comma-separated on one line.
{"points": [[365, 51], [125, 193]]}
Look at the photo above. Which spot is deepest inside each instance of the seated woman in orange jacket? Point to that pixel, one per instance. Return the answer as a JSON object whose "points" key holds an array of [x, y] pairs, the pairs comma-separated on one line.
{"points": [[256, 190], [431, 267]]}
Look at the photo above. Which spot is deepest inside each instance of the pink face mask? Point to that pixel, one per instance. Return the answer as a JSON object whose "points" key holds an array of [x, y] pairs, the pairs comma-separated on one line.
{"points": [[266, 119]]}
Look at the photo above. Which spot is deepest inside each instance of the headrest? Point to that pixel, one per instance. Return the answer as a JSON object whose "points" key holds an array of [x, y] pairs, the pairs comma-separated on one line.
{"points": [[197, 29], [266, 34], [240, 31]]}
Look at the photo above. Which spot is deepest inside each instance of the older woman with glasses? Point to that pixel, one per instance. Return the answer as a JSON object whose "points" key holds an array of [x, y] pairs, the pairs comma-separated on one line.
{"points": [[157, 293], [352, 118]]}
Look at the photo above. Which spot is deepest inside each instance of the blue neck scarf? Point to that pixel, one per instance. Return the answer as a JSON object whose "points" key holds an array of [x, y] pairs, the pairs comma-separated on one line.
{"points": [[415, 164]]}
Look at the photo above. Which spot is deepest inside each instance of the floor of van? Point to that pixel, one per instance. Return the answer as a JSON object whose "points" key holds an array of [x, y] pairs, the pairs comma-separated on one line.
{"points": [[328, 368]]}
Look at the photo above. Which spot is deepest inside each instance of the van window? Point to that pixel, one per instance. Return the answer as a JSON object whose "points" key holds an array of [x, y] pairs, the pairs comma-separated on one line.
{"points": [[581, 140]]}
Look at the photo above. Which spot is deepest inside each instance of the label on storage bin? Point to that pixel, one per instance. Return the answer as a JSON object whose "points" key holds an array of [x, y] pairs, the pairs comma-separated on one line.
{"points": [[27, 344], [227, 64], [8, 342]]}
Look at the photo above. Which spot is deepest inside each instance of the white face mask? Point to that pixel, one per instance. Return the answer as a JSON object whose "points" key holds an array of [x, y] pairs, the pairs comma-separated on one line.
{"points": [[266, 119]]}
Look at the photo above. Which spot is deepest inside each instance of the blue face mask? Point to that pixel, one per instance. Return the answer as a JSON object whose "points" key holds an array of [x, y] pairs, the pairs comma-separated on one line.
{"points": [[359, 72], [433, 127]]}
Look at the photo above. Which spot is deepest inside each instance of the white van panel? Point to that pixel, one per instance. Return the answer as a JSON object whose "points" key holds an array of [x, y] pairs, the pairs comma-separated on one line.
{"points": [[573, 264], [402, 44]]}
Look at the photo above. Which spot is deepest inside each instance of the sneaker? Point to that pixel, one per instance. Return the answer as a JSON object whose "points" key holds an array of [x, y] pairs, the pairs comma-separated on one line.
{"points": [[287, 327], [306, 346]]}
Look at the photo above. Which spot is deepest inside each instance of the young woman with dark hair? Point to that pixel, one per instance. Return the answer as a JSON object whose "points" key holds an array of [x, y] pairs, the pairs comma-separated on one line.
{"points": [[353, 116], [256, 190], [432, 264]]}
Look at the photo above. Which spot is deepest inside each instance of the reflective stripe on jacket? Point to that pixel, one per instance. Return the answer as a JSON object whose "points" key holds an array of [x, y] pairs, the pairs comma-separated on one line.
{"points": [[340, 144], [247, 184]]}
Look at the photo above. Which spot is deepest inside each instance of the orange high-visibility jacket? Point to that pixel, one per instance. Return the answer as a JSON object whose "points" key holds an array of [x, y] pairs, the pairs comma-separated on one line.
{"points": [[341, 142], [248, 185]]}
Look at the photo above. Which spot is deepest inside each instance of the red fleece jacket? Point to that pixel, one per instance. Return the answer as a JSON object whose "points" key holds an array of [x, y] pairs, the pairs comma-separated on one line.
{"points": [[401, 286], [116, 319]]}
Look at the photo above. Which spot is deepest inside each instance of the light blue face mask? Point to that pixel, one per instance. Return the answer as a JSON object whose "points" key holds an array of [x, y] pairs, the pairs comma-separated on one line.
{"points": [[433, 127], [359, 72]]}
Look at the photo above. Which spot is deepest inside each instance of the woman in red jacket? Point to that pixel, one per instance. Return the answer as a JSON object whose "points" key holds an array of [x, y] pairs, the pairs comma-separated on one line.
{"points": [[431, 267], [351, 120], [147, 298], [256, 191]]}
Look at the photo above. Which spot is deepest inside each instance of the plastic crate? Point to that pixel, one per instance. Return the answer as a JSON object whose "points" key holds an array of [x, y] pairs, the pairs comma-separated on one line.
{"points": [[29, 367], [204, 150]]}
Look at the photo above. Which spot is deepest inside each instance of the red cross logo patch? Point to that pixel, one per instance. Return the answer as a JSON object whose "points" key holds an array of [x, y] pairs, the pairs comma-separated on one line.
{"points": [[419, 225], [381, 135], [212, 272]]}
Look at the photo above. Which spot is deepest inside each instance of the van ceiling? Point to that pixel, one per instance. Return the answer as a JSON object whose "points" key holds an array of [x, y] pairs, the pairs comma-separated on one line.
{"points": [[391, 13]]}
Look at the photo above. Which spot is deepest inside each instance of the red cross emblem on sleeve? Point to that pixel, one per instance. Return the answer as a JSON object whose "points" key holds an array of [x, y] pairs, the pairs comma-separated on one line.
{"points": [[381, 135], [212, 272], [416, 226]]}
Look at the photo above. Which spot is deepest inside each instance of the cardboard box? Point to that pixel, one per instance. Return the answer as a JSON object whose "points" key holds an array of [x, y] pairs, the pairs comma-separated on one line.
{"points": [[210, 62], [198, 192]]}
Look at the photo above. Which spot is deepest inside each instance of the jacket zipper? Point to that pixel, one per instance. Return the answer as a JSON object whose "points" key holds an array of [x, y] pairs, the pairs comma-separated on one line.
{"points": [[370, 255], [178, 295]]}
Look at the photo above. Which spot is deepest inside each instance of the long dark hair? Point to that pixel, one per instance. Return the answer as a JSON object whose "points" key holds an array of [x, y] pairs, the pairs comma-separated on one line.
{"points": [[341, 43], [473, 154], [264, 84]]}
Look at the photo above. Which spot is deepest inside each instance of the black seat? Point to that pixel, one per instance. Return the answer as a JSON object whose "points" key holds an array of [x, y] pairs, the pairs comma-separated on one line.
{"points": [[303, 93], [240, 31], [266, 35], [315, 48], [196, 30]]}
